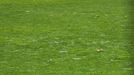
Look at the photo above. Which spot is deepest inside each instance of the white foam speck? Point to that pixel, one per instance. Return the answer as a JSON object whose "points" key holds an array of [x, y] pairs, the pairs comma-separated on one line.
{"points": [[76, 58], [50, 60]]}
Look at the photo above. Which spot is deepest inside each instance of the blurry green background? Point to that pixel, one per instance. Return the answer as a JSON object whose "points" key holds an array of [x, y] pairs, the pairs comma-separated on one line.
{"points": [[64, 37]]}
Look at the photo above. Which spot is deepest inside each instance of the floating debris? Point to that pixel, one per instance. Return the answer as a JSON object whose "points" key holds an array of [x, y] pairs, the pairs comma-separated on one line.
{"points": [[99, 50], [50, 60]]}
